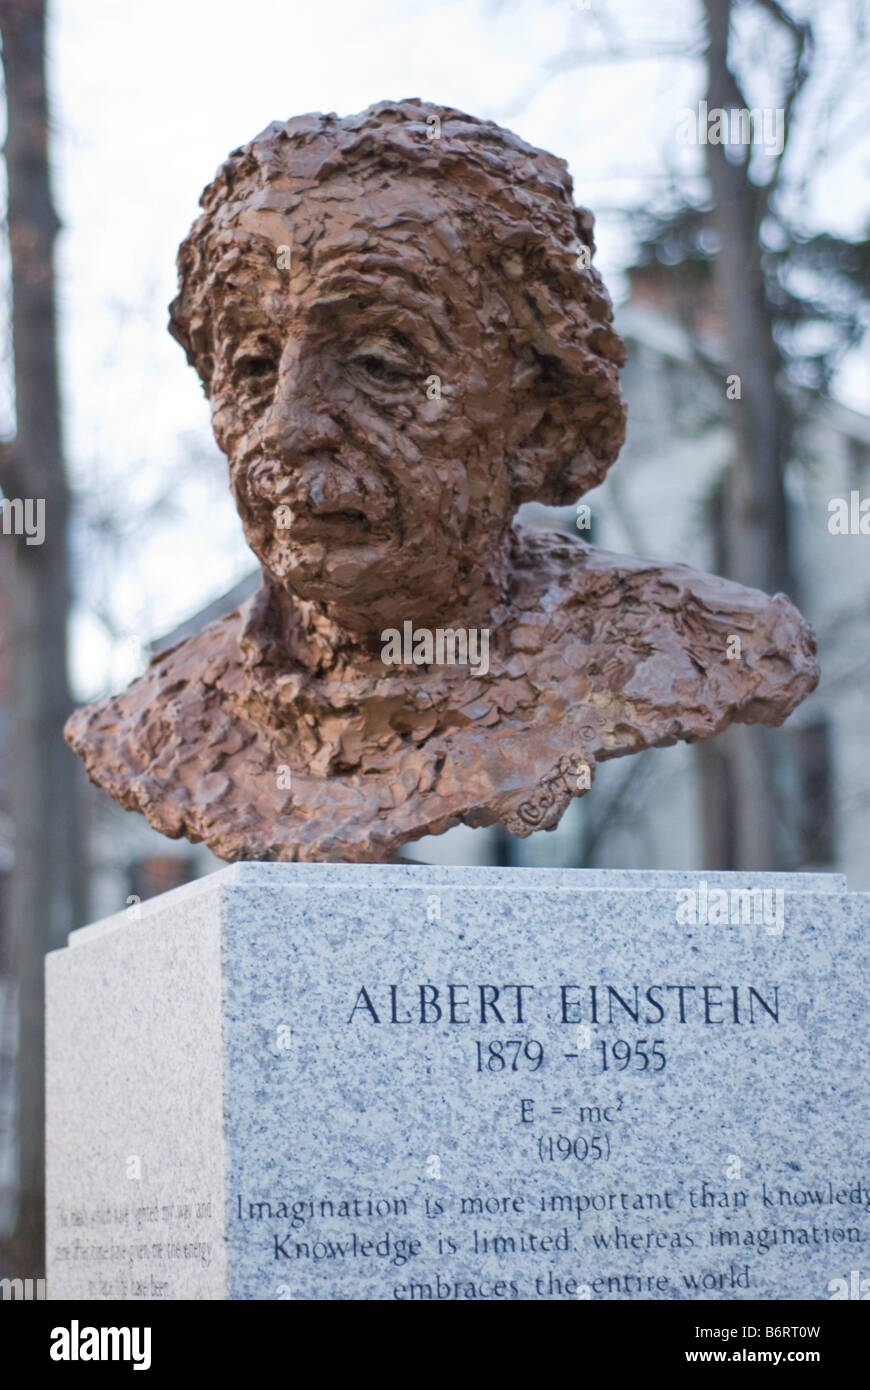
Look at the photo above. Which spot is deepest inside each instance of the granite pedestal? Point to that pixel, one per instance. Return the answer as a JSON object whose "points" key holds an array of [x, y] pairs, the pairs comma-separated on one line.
{"points": [[410, 1083]]}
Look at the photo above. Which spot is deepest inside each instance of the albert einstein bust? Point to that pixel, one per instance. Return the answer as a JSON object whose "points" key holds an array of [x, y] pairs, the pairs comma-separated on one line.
{"points": [[396, 322]]}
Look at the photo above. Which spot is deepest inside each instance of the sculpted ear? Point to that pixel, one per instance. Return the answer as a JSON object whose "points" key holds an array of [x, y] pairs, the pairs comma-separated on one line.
{"points": [[187, 321], [567, 431]]}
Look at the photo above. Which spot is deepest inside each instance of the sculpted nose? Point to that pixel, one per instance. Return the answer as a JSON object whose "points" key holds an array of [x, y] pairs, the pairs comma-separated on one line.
{"points": [[293, 429]]}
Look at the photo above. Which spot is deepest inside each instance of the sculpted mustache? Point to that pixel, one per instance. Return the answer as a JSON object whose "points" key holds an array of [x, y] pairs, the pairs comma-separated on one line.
{"points": [[320, 487]]}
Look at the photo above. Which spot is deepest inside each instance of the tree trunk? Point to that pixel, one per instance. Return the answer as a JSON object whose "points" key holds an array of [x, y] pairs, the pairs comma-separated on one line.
{"points": [[754, 523], [44, 779]]}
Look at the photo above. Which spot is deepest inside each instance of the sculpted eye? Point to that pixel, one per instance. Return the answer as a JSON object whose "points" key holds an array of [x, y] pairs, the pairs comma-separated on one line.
{"points": [[257, 367], [382, 370], [377, 367]]}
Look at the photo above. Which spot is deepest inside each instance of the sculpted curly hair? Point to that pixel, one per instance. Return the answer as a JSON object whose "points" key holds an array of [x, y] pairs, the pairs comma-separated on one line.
{"points": [[509, 201]]}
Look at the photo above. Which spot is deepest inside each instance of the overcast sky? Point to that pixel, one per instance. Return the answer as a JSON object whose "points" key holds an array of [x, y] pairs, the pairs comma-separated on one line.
{"points": [[149, 99]]}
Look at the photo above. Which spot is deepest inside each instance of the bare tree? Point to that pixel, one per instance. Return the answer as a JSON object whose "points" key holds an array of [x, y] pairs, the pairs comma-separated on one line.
{"points": [[745, 242], [44, 778], [742, 240], [755, 545]]}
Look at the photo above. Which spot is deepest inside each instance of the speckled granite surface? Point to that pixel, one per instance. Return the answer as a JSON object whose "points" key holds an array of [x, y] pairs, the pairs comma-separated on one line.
{"points": [[388, 1082]]}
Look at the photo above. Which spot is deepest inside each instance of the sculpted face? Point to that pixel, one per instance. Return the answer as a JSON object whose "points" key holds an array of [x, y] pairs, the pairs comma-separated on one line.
{"points": [[359, 488], [434, 353]]}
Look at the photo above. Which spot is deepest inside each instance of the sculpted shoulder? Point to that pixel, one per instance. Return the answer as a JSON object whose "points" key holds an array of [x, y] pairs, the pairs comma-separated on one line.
{"points": [[172, 726], [684, 652]]}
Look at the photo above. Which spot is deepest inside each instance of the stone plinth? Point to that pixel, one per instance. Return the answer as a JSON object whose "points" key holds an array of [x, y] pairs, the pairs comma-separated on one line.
{"points": [[360, 1082]]}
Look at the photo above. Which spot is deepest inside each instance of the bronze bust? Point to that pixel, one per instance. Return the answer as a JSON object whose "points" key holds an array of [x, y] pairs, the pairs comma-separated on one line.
{"points": [[395, 319]]}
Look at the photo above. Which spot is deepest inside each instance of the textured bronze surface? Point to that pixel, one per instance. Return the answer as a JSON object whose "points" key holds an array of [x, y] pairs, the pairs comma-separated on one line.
{"points": [[395, 321]]}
